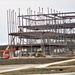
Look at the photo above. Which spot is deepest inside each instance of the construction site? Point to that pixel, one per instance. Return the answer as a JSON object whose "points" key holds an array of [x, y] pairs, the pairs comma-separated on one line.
{"points": [[51, 33]]}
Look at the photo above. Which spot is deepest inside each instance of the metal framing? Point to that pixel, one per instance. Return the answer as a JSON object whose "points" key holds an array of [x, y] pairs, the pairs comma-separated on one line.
{"points": [[52, 33]]}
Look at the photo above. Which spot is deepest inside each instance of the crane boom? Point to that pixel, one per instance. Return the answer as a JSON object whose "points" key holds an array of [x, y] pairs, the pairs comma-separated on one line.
{"points": [[8, 46]]}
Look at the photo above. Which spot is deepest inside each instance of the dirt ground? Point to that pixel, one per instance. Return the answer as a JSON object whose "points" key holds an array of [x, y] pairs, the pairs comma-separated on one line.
{"points": [[66, 67], [31, 60], [41, 71]]}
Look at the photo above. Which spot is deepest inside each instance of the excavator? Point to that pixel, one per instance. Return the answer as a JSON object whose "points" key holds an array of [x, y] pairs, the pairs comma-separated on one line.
{"points": [[6, 54]]}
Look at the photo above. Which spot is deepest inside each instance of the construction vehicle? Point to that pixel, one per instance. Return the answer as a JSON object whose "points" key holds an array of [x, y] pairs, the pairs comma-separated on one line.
{"points": [[6, 51], [39, 54]]}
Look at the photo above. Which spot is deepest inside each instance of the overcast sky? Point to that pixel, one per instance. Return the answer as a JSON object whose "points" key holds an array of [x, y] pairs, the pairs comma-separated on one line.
{"points": [[60, 5]]}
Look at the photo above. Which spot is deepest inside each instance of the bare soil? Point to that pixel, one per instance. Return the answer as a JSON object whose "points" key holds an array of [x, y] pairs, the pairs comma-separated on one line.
{"points": [[42, 60], [40, 71], [66, 67]]}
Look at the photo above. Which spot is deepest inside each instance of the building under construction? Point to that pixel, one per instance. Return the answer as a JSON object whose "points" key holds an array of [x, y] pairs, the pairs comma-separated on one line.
{"points": [[52, 32]]}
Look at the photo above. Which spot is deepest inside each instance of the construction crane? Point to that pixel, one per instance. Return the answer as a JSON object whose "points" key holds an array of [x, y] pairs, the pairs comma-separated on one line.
{"points": [[6, 55]]}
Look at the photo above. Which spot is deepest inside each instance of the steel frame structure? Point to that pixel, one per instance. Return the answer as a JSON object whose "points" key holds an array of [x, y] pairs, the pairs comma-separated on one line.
{"points": [[52, 33]]}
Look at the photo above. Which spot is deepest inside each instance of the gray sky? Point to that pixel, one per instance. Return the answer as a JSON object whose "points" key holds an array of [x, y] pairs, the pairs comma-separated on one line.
{"points": [[60, 5]]}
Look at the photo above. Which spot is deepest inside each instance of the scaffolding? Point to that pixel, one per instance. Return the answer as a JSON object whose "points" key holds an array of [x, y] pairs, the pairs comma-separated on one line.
{"points": [[53, 32]]}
